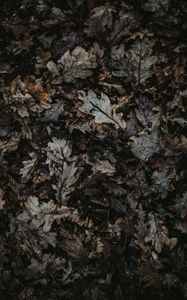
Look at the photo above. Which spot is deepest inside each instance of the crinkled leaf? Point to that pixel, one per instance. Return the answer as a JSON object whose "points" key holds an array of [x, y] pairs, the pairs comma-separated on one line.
{"points": [[28, 168], [78, 64], [134, 65], [70, 174], [63, 166], [44, 214], [145, 146], [72, 244], [104, 167], [58, 152]]}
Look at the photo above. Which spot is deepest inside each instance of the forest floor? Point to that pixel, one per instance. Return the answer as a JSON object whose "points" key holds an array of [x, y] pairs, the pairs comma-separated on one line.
{"points": [[93, 149]]}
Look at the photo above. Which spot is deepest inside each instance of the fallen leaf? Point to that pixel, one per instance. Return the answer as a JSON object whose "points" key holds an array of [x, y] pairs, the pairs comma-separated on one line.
{"points": [[28, 168], [2, 202], [101, 109], [135, 64], [53, 68], [104, 167], [48, 261], [163, 181], [44, 214], [58, 151], [180, 205], [144, 146], [155, 6], [53, 113], [123, 26], [78, 64], [72, 245], [65, 186], [158, 235], [99, 22], [10, 145]]}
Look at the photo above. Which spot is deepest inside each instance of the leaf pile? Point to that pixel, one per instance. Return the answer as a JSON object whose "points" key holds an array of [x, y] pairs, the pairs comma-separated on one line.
{"points": [[93, 150]]}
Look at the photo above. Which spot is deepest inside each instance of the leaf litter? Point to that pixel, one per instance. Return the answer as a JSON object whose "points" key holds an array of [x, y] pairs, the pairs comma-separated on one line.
{"points": [[93, 150]]}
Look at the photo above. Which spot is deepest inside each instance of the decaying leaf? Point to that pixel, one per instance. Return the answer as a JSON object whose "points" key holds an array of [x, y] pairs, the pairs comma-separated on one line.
{"points": [[58, 152], [63, 166], [101, 109], [181, 205], [163, 180], [135, 64], [100, 21], [53, 68], [2, 202], [104, 167], [44, 214], [158, 235], [70, 174], [123, 25], [144, 146], [53, 113], [72, 245], [28, 168], [47, 261], [81, 125], [78, 64], [91, 92], [156, 6], [99, 245], [10, 145], [31, 93]]}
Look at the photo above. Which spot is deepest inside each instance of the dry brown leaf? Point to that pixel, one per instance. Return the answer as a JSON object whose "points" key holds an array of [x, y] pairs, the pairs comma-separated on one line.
{"points": [[30, 92], [72, 245]]}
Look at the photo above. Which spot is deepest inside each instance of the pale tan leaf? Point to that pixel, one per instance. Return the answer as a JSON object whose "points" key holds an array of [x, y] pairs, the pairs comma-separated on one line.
{"points": [[101, 109], [44, 214], [68, 178], [28, 168], [104, 167], [78, 64]]}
